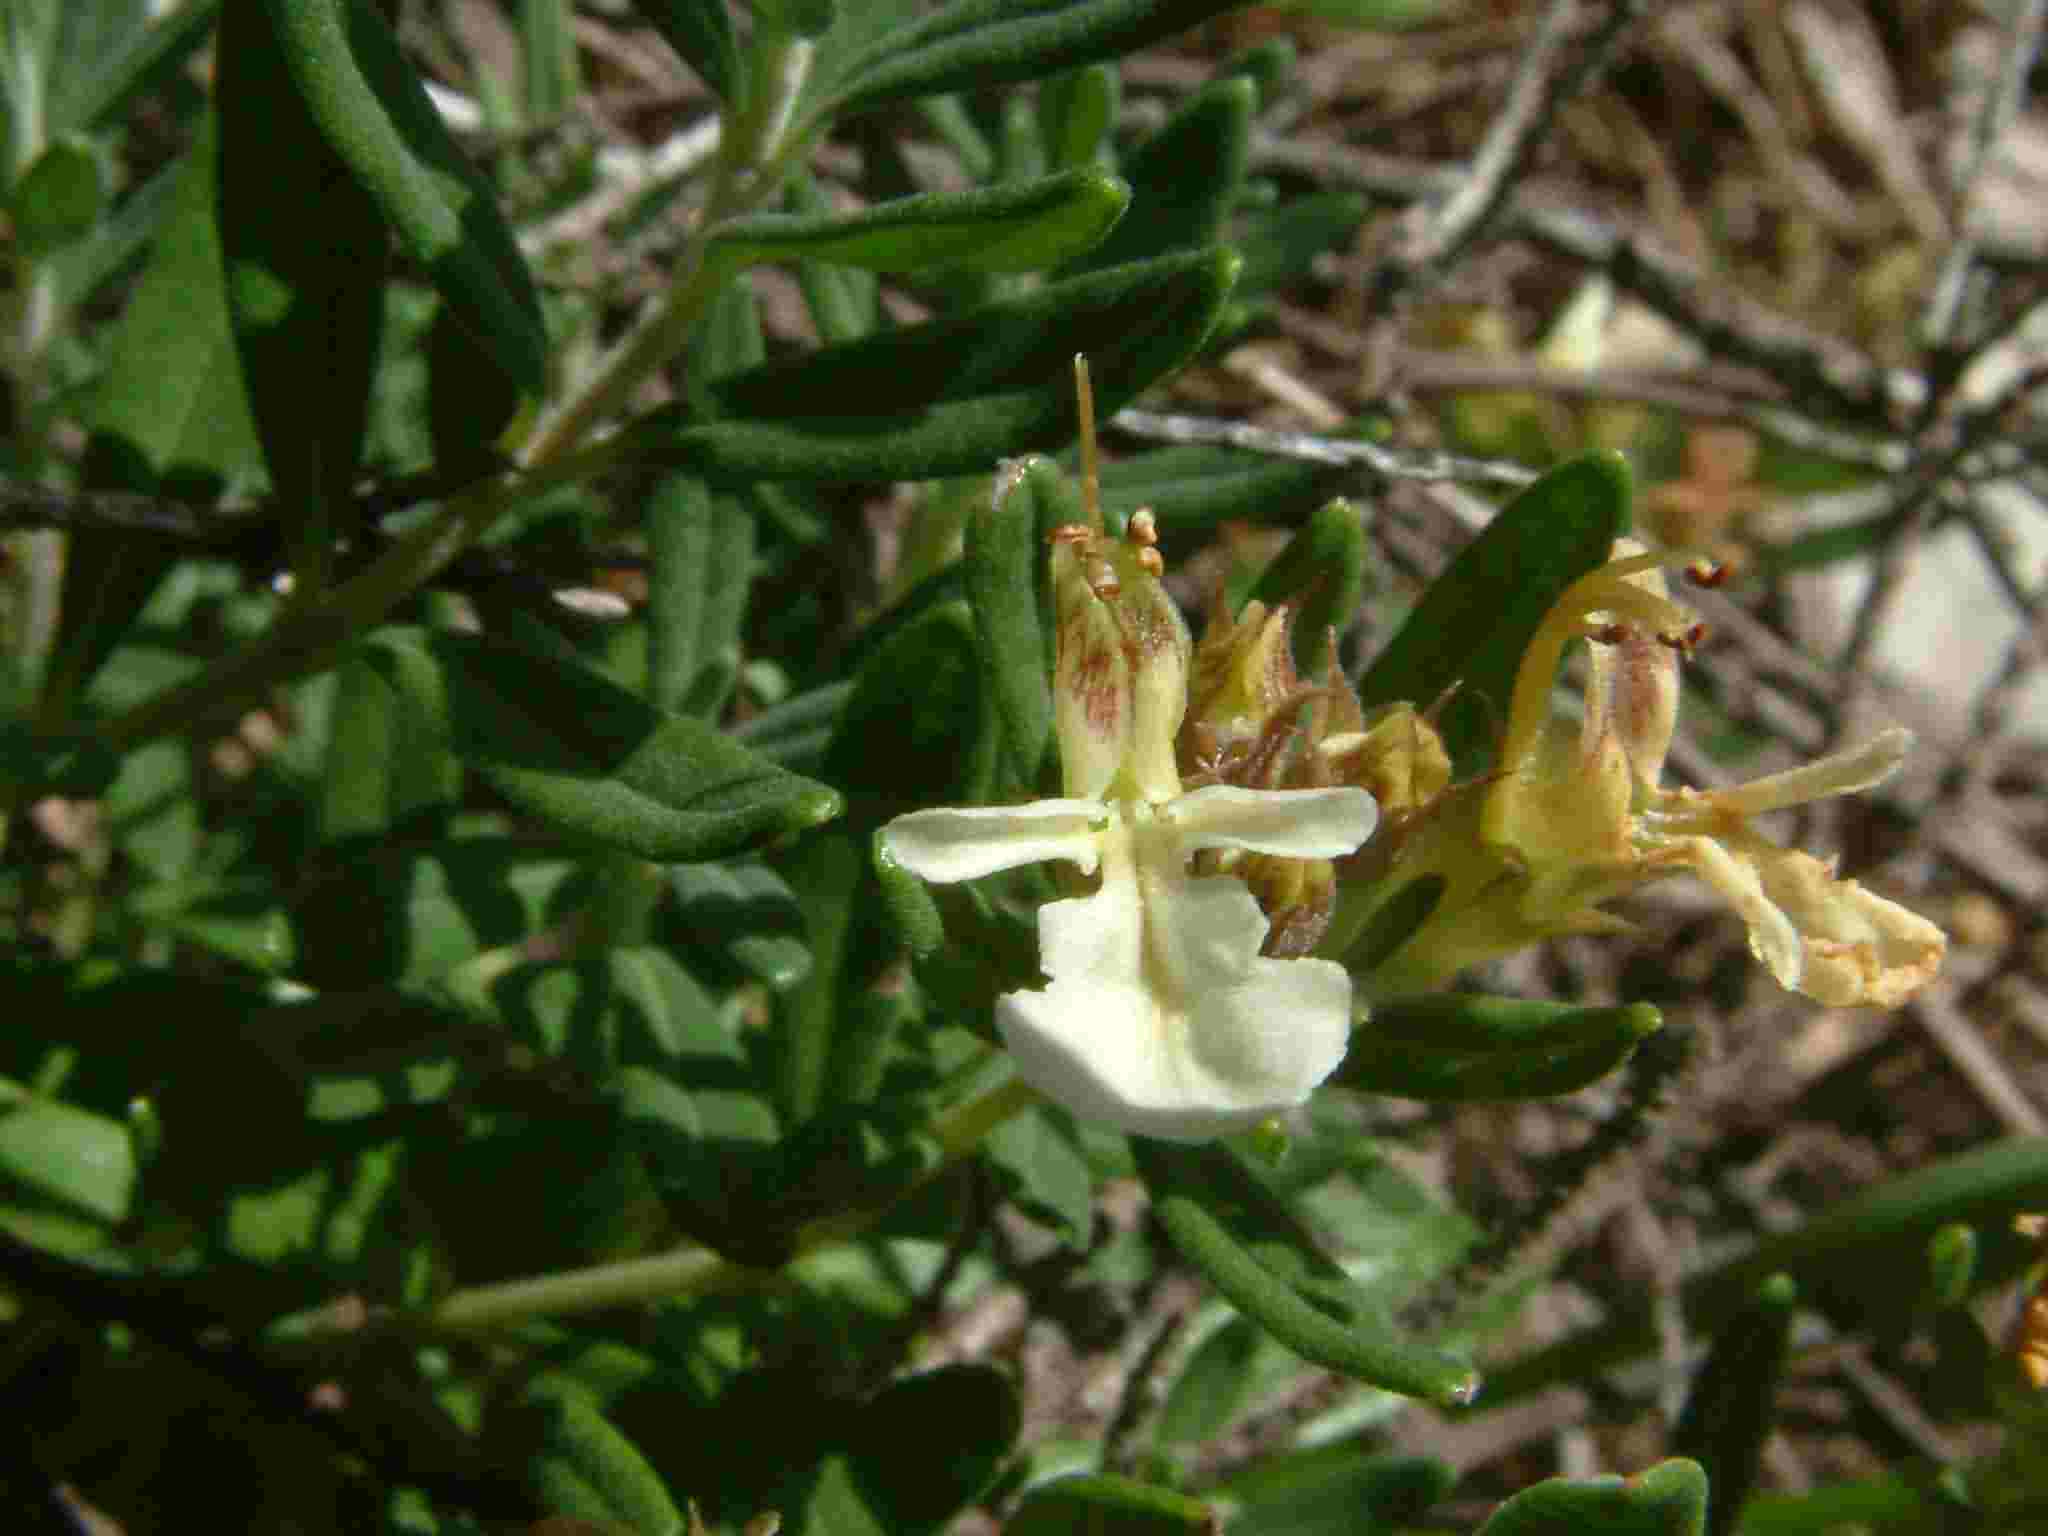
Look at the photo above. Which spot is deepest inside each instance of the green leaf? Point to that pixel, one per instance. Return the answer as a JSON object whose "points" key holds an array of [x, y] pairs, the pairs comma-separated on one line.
{"points": [[1043, 1170], [585, 1469], [951, 397], [1731, 1406], [552, 76], [589, 759], [747, 912], [305, 251], [1280, 248], [1009, 586], [115, 242], [1478, 617], [1076, 112], [1229, 1225], [241, 918], [1020, 227], [1109, 1506], [1269, 65], [58, 199], [169, 409], [796, 731], [171, 403], [1670, 1499], [373, 111], [1336, 1490], [843, 301], [921, 693], [1184, 178], [1951, 1265], [1321, 574], [106, 54], [82, 1161], [1456, 1047], [827, 873], [975, 44], [1213, 1385], [703, 554], [1862, 1260], [909, 911], [1195, 487], [376, 773], [701, 33]]}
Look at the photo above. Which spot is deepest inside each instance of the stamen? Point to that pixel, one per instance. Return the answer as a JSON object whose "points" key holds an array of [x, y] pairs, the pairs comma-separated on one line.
{"points": [[1707, 573], [1091, 483], [1143, 528]]}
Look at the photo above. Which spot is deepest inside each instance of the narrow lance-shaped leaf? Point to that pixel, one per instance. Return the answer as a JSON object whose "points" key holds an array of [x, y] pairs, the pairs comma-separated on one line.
{"points": [[1185, 178], [1864, 1258], [1076, 112], [586, 1469], [1112, 1506], [1670, 1499], [701, 33], [374, 112], [1322, 573], [950, 397], [974, 44], [1231, 1227], [703, 548], [169, 406], [1009, 588], [306, 251], [102, 58], [1020, 227], [1458, 1047], [58, 199], [552, 73], [1477, 618], [1730, 1408], [590, 759]]}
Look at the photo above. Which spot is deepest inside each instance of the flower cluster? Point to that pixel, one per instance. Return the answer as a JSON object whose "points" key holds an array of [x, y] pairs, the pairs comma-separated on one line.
{"points": [[1217, 809], [1577, 813], [1162, 1015]]}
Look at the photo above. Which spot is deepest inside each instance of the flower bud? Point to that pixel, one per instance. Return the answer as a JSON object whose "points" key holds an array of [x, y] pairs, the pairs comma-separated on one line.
{"points": [[1120, 676]]}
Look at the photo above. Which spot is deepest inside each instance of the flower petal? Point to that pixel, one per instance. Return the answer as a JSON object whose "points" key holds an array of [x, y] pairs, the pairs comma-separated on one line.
{"points": [[1162, 1018], [964, 844], [1110, 1054], [1859, 947], [1844, 773], [1772, 938], [1293, 823]]}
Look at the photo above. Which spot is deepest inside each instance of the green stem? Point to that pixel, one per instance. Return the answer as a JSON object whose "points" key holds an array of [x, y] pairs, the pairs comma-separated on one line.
{"points": [[301, 641], [695, 1271], [749, 169]]}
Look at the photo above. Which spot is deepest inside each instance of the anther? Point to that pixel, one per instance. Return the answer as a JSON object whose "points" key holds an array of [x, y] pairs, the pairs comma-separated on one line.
{"points": [[1143, 528], [1706, 573]]}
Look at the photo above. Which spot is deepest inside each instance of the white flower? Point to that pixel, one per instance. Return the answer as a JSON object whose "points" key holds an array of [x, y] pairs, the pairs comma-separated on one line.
{"points": [[1162, 1018]]}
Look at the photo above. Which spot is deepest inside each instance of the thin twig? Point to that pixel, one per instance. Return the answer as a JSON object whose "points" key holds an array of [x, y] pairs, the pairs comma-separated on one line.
{"points": [[1912, 510], [1938, 327], [1392, 463], [1730, 325]]}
